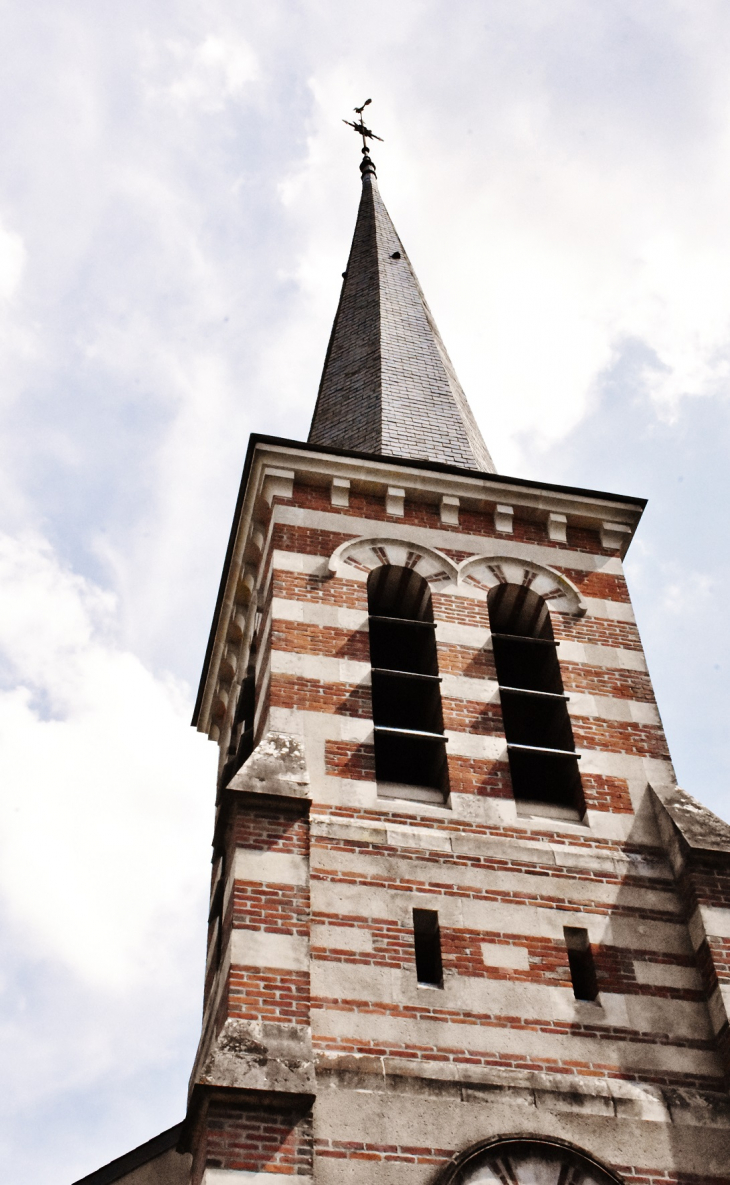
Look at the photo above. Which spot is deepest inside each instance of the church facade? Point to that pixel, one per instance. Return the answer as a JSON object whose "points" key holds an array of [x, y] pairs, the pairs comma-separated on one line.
{"points": [[464, 926]]}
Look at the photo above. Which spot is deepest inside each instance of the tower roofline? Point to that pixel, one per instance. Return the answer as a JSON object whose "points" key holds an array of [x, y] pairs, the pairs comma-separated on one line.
{"points": [[372, 461]]}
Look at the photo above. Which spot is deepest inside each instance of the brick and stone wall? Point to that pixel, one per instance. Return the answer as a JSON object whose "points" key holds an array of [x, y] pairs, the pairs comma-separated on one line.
{"points": [[372, 1077]]}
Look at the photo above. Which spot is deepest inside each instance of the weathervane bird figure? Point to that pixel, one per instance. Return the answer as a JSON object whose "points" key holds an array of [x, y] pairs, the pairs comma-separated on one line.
{"points": [[360, 127]]}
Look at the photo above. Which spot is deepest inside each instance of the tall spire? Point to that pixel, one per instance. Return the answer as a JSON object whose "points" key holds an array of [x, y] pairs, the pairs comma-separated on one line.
{"points": [[388, 386]]}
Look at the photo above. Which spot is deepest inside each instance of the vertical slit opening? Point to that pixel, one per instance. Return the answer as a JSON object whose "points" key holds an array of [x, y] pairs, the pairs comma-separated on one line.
{"points": [[582, 966], [427, 943]]}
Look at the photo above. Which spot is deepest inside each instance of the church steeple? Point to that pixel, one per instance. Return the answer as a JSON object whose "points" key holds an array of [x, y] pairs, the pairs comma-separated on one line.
{"points": [[388, 386]]}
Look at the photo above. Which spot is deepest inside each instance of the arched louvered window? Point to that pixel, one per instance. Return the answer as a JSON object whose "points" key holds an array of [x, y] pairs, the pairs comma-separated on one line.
{"points": [[542, 758], [410, 747]]}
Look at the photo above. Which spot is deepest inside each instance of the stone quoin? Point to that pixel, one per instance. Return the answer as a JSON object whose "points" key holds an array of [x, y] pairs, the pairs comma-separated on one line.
{"points": [[464, 926]]}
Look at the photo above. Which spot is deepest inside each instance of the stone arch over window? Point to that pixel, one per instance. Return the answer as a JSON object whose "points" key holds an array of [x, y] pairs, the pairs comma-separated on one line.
{"points": [[524, 1160], [479, 574], [357, 558]]}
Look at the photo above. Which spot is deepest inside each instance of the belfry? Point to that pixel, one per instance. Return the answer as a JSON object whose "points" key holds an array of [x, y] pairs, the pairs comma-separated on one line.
{"points": [[464, 926]]}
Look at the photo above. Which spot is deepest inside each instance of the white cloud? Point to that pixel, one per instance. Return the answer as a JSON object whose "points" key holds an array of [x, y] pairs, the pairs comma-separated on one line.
{"points": [[207, 74], [687, 597], [105, 814], [12, 262], [104, 801]]}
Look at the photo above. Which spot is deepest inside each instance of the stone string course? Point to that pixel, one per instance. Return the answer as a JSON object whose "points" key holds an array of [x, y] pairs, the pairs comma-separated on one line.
{"points": [[463, 1055]]}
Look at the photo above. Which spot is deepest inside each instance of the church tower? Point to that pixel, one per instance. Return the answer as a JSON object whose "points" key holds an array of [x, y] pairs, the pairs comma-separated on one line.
{"points": [[464, 927]]}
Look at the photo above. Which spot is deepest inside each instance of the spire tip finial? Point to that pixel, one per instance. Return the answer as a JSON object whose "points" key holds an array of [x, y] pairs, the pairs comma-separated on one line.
{"points": [[367, 166]]}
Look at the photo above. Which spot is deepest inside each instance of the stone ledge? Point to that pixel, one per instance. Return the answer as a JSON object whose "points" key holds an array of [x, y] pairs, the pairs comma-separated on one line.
{"points": [[695, 826], [276, 767], [478, 1084], [259, 1056], [214, 1176]]}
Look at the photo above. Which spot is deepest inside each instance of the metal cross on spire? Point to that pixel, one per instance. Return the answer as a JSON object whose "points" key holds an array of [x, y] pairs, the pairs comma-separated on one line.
{"points": [[361, 129]]}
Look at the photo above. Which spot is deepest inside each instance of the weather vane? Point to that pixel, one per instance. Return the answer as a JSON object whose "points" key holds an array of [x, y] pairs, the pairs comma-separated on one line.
{"points": [[361, 129]]}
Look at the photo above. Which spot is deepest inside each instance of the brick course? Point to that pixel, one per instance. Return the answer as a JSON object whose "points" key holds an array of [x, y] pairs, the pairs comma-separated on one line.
{"points": [[392, 946], [300, 638], [279, 997], [255, 1139], [316, 695], [344, 759], [607, 681]]}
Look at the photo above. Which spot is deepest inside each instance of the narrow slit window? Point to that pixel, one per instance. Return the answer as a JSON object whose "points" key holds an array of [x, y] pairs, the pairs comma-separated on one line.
{"points": [[542, 758], [410, 746], [582, 967], [427, 943], [240, 747]]}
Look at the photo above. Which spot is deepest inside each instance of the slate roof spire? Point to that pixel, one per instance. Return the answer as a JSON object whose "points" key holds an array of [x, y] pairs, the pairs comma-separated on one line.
{"points": [[388, 386]]}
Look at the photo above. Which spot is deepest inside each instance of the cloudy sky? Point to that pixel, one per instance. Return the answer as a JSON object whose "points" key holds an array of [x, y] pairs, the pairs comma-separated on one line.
{"points": [[177, 196]]}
